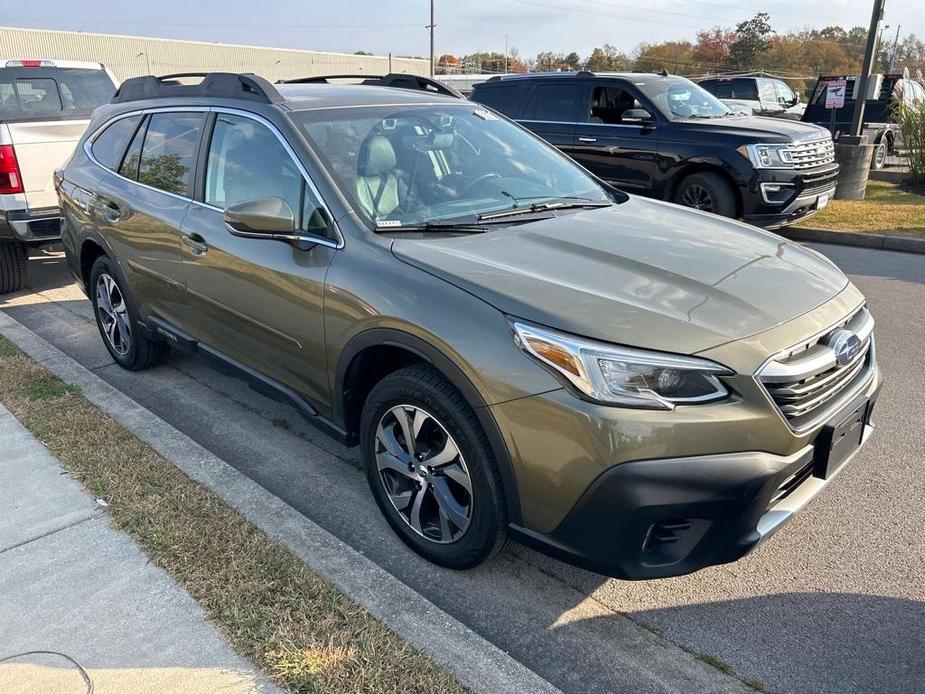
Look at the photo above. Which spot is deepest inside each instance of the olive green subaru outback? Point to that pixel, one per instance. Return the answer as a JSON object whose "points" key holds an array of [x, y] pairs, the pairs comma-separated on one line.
{"points": [[519, 350]]}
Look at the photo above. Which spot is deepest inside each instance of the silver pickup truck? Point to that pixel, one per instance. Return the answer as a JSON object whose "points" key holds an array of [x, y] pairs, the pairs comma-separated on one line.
{"points": [[45, 106]]}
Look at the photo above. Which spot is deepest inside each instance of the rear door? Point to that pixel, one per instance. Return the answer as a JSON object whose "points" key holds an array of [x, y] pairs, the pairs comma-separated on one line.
{"points": [[621, 152], [551, 111], [46, 111], [140, 207], [259, 301]]}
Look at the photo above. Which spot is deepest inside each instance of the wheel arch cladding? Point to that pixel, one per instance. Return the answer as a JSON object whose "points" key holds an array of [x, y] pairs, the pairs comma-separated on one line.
{"points": [[385, 350]]}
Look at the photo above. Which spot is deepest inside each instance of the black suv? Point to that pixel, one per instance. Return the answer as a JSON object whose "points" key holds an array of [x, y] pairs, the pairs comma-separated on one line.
{"points": [[665, 137]]}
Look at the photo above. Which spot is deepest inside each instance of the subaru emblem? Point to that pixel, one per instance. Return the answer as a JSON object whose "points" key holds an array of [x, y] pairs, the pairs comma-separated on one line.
{"points": [[845, 344]]}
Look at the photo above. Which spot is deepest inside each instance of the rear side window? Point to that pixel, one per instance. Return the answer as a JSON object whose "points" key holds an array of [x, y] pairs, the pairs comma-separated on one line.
{"points": [[52, 93], [553, 102], [507, 99], [169, 151], [129, 166], [110, 144]]}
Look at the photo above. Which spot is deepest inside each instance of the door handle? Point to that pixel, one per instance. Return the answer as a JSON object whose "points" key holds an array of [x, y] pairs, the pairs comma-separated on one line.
{"points": [[196, 243], [110, 211], [587, 139]]}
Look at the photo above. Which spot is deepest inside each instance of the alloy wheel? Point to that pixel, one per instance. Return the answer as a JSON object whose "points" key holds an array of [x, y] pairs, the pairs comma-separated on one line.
{"points": [[697, 197], [113, 314], [880, 156], [424, 474]]}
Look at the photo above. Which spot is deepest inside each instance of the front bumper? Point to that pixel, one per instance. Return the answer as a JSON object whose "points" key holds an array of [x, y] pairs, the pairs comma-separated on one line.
{"points": [[667, 517], [31, 226], [796, 198]]}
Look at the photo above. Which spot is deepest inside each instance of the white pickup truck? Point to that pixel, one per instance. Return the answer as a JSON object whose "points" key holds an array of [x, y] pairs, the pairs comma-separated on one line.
{"points": [[45, 106]]}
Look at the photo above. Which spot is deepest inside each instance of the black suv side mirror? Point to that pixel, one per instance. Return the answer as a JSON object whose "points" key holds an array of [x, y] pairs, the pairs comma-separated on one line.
{"points": [[637, 115], [271, 218]]}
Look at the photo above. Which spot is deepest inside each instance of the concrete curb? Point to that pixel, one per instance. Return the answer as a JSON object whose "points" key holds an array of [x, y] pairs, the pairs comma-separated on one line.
{"points": [[904, 244], [476, 663]]}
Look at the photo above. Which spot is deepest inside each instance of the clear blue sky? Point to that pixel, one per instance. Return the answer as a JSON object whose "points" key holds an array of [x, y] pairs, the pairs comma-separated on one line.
{"points": [[464, 26]]}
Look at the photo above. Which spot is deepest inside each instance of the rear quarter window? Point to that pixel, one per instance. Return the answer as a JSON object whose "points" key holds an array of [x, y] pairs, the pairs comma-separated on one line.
{"points": [[36, 94], [109, 145], [553, 102]]}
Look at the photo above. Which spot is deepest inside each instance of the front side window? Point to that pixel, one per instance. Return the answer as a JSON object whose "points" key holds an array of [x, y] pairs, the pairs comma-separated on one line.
{"points": [[785, 94], [247, 162], [408, 165], [169, 151], [608, 104], [766, 92], [110, 144]]}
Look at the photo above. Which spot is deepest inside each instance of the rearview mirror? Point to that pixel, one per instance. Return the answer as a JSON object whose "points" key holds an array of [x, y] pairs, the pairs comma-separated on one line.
{"points": [[636, 115], [261, 218]]}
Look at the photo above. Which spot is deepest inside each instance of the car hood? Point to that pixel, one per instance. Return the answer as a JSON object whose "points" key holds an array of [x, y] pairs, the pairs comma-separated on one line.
{"points": [[641, 273], [754, 129]]}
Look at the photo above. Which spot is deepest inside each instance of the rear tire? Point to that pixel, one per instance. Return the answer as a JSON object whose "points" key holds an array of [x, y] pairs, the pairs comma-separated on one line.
{"points": [[448, 474], [13, 259], [117, 320], [707, 191]]}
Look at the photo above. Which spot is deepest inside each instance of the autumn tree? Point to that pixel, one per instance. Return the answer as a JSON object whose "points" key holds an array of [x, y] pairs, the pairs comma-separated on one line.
{"points": [[607, 59], [751, 41]]}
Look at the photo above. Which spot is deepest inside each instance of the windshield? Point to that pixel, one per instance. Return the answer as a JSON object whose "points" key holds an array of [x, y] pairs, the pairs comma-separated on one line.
{"points": [[52, 93], [413, 165], [679, 99]]}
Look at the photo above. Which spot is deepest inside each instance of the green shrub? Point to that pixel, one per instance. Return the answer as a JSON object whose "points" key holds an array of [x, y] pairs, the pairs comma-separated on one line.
{"points": [[912, 124]]}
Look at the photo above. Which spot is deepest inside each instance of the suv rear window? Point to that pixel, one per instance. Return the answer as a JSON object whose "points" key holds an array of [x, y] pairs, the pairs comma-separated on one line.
{"points": [[28, 94], [506, 99], [745, 89], [169, 151]]}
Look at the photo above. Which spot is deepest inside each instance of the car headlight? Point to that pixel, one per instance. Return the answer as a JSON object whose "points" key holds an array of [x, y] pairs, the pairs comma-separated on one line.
{"points": [[768, 156], [622, 375]]}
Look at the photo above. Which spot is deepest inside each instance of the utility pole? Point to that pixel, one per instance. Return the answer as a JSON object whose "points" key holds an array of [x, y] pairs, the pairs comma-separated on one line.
{"points": [[431, 28], [506, 69], [853, 150], [860, 86], [895, 48]]}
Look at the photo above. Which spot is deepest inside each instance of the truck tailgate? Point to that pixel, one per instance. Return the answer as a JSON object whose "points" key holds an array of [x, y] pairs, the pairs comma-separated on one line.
{"points": [[41, 148]]}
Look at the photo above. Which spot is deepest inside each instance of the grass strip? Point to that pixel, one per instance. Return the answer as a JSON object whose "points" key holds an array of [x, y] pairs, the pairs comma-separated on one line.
{"points": [[887, 209], [305, 634]]}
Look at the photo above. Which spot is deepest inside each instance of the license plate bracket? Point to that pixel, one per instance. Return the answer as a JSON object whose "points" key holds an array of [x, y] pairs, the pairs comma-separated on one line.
{"points": [[822, 201], [837, 442]]}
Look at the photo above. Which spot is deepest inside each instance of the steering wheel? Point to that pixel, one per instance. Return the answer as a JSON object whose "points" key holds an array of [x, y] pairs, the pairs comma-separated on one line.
{"points": [[683, 110], [480, 179]]}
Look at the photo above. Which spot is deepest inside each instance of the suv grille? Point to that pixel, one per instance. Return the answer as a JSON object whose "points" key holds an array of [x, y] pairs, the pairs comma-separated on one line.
{"points": [[807, 155], [806, 381]]}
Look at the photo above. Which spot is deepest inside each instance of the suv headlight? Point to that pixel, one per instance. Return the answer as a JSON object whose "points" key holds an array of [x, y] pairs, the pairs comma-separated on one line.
{"points": [[768, 156], [621, 375]]}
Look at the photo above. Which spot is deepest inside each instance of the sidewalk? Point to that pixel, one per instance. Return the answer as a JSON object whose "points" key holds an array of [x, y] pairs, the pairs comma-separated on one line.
{"points": [[73, 585]]}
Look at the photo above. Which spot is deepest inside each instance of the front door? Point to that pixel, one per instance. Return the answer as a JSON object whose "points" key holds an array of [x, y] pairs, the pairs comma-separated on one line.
{"points": [[259, 301], [622, 152]]}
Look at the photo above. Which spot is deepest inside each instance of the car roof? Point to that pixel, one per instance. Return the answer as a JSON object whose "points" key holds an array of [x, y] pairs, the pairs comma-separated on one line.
{"points": [[305, 97], [635, 77], [50, 63]]}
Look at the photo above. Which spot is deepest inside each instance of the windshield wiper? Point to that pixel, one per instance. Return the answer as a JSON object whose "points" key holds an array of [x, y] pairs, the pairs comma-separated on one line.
{"points": [[469, 227], [543, 207]]}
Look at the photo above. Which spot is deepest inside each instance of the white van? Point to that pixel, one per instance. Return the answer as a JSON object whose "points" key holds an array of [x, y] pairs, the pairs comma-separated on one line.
{"points": [[45, 106]]}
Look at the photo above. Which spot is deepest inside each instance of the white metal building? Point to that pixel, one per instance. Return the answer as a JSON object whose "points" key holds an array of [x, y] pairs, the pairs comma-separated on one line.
{"points": [[130, 56]]}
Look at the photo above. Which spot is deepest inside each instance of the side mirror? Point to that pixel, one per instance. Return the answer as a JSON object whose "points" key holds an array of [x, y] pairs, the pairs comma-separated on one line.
{"points": [[796, 98], [637, 115], [271, 218]]}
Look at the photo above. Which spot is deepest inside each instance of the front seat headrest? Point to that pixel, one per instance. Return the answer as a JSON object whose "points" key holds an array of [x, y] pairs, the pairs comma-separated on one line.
{"points": [[378, 157]]}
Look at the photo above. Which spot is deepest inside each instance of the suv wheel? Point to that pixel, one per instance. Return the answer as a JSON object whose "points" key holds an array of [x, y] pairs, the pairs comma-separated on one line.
{"points": [[12, 266], [707, 191], [880, 154], [431, 469], [116, 319]]}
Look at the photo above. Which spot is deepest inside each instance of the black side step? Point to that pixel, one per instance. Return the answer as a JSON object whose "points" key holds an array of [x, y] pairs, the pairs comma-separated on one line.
{"points": [[257, 381]]}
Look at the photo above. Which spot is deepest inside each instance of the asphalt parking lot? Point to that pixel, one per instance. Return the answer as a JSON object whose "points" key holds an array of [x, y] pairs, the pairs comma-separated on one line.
{"points": [[835, 602]]}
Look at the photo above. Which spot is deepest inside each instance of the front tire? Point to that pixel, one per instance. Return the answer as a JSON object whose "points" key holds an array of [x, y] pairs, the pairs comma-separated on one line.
{"points": [[431, 469], [708, 192], [13, 260], [117, 321]]}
